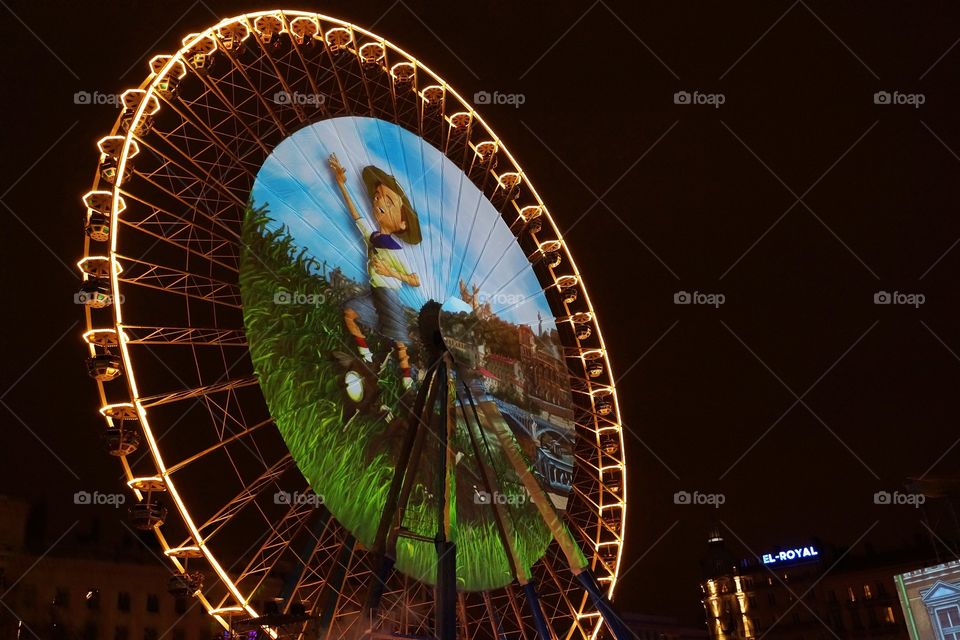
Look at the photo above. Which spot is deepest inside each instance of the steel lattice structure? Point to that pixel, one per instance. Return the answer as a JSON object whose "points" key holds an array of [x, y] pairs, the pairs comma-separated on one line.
{"points": [[183, 409]]}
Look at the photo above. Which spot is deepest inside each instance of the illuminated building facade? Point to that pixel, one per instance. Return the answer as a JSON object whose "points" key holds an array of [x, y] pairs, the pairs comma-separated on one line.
{"points": [[930, 599], [649, 627], [75, 592], [804, 592]]}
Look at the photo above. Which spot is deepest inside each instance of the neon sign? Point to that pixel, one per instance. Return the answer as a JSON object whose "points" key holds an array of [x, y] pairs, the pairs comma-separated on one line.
{"points": [[791, 555]]}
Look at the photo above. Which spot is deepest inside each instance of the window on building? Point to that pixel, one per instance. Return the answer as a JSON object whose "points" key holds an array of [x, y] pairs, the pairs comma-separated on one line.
{"points": [[28, 594], [881, 590], [121, 633], [91, 632], [752, 600], [179, 634], [949, 619], [153, 603], [772, 599], [123, 601], [836, 621], [92, 598], [851, 596], [867, 592], [855, 619], [149, 633], [888, 616], [61, 598], [180, 606], [832, 595]]}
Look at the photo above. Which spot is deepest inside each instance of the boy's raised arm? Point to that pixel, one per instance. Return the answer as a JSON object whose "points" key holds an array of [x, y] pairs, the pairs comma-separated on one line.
{"points": [[341, 177]]}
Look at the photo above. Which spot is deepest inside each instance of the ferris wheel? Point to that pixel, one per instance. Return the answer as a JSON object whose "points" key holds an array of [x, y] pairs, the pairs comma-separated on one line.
{"points": [[344, 357]]}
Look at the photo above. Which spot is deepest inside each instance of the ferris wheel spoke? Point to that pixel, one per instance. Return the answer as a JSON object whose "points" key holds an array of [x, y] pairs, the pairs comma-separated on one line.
{"points": [[177, 281], [518, 612], [346, 602], [185, 235], [250, 493], [480, 617], [403, 88], [406, 101], [564, 608], [186, 394], [493, 618], [324, 580], [213, 87], [227, 225], [378, 92], [282, 81], [246, 161], [432, 124], [350, 76], [274, 547], [315, 570], [594, 542], [161, 216], [242, 70], [191, 336], [198, 156], [591, 500], [307, 72], [416, 605], [186, 172], [171, 469], [595, 464], [340, 103], [462, 616]]}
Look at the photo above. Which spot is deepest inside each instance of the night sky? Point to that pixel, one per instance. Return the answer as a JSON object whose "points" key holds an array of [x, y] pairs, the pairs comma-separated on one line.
{"points": [[797, 199]]}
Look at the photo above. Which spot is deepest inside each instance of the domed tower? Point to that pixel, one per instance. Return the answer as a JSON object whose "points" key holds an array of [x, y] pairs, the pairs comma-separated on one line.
{"points": [[724, 601], [719, 561]]}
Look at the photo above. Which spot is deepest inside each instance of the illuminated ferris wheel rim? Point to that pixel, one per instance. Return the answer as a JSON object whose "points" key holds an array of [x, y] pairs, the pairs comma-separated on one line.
{"points": [[148, 103]]}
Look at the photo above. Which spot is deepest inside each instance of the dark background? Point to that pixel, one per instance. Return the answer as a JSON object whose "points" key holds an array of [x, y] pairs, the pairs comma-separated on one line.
{"points": [[654, 198]]}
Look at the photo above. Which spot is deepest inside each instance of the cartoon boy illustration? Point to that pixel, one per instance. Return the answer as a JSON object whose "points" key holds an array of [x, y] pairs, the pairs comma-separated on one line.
{"points": [[380, 308]]}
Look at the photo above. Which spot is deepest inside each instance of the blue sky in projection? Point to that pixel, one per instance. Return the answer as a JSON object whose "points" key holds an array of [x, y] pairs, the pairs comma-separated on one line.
{"points": [[463, 235]]}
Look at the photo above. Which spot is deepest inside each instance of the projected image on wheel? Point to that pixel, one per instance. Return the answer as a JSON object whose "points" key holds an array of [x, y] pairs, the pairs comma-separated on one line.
{"points": [[355, 224]]}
